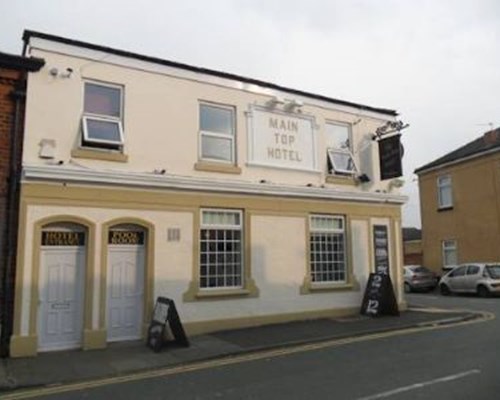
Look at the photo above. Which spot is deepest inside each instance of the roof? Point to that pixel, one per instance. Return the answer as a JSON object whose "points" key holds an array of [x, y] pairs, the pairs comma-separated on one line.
{"points": [[29, 34], [20, 63], [488, 142], [411, 234]]}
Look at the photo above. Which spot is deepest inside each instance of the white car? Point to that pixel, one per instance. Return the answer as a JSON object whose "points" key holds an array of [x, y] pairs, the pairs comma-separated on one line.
{"points": [[480, 278]]}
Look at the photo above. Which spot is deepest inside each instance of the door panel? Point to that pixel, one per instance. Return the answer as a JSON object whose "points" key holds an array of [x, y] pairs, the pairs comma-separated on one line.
{"points": [[60, 314], [125, 292]]}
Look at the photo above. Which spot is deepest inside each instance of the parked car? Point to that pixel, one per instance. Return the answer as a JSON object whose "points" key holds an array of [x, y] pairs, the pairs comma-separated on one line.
{"points": [[480, 278], [418, 277]]}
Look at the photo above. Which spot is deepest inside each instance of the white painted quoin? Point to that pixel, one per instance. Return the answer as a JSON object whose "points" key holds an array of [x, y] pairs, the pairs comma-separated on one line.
{"points": [[237, 186]]}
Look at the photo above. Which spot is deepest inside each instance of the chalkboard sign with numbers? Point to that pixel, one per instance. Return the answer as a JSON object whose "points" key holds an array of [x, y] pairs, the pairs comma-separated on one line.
{"points": [[165, 314], [379, 298]]}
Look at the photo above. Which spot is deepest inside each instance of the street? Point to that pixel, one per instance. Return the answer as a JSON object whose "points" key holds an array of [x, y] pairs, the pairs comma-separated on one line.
{"points": [[457, 362]]}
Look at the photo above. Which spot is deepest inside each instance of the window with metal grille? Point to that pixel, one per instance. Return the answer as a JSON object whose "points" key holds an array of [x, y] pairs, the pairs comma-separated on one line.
{"points": [[221, 253], [327, 249]]}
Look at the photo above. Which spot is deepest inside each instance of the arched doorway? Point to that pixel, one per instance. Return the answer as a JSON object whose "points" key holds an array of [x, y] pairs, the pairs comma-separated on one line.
{"points": [[61, 286], [126, 263]]}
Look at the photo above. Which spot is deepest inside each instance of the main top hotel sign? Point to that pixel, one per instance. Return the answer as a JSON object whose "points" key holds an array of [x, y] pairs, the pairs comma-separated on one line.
{"points": [[282, 140]]}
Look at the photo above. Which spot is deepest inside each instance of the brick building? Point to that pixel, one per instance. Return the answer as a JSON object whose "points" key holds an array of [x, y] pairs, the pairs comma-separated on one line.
{"points": [[13, 71]]}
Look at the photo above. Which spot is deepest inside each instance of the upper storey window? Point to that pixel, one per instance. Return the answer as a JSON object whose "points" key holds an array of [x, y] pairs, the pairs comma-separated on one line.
{"points": [[217, 133], [445, 196], [102, 116], [339, 149]]}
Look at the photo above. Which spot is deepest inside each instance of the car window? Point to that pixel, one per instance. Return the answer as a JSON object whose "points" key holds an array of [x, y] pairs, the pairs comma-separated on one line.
{"points": [[421, 270], [460, 271], [472, 270], [494, 271]]}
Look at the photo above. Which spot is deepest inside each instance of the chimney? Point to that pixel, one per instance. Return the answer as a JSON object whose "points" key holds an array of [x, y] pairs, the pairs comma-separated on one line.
{"points": [[492, 137]]}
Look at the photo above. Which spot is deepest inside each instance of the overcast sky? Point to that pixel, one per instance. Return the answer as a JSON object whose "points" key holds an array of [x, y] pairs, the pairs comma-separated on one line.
{"points": [[437, 62]]}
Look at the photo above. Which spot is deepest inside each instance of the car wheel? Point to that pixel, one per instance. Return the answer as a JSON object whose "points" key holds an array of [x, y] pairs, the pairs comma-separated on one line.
{"points": [[407, 288], [445, 290], [483, 291]]}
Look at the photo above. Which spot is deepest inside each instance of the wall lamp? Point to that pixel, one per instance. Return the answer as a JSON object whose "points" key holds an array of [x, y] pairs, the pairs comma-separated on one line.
{"points": [[363, 178], [292, 105]]}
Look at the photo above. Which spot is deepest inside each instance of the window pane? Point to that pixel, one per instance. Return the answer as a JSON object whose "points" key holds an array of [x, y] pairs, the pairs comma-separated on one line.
{"points": [[221, 218], [337, 136], [108, 131], [216, 119], [342, 161], [103, 100], [326, 223], [216, 148]]}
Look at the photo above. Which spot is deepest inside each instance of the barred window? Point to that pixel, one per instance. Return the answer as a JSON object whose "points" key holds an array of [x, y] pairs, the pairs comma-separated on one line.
{"points": [[221, 241], [327, 248]]}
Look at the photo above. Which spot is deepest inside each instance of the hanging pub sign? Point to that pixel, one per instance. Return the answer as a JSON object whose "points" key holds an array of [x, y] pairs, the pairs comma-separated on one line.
{"points": [[390, 155]]}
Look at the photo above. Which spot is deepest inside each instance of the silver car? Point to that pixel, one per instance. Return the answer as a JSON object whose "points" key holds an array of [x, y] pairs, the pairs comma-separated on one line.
{"points": [[419, 278], [480, 278]]}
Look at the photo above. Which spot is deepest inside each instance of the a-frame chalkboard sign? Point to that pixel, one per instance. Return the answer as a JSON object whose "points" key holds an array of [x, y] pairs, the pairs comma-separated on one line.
{"points": [[165, 313], [379, 298]]}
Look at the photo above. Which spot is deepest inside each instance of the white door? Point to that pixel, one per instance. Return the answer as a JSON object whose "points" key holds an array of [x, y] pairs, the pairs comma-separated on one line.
{"points": [[60, 313], [125, 292]]}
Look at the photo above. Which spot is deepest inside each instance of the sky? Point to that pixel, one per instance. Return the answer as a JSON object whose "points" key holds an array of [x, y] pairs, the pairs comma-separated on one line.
{"points": [[437, 62]]}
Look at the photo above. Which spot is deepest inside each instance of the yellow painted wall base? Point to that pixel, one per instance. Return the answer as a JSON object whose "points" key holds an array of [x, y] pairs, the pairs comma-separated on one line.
{"points": [[198, 328], [95, 339], [23, 346]]}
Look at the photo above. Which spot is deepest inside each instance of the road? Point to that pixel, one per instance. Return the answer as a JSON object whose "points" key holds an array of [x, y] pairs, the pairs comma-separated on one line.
{"points": [[460, 362]]}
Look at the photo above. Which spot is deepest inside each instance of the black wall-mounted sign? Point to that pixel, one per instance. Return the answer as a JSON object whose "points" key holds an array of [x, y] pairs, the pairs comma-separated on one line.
{"points": [[390, 155], [126, 237], [165, 313], [381, 249], [379, 298]]}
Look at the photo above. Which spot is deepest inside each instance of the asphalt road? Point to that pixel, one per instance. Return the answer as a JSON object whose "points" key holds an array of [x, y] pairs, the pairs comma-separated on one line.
{"points": [[460, 362]]}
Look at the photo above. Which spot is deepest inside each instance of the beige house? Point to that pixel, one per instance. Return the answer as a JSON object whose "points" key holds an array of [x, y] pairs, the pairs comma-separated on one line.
{"points": [[460, 203], [243, 201]]}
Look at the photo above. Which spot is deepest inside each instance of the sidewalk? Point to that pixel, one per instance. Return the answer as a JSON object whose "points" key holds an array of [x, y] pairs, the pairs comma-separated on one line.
{"points": [[123, 358]]}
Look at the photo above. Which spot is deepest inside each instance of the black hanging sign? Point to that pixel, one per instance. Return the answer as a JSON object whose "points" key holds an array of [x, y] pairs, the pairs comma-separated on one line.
{"points": [[379, 298], [390, 155], [165, 313]]}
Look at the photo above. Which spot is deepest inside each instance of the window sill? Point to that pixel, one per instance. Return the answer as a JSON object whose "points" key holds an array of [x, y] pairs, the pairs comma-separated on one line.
{"points": [[103, 155], [194, 293], [309, 287], [216, 167], [341, 179], [448, 208]]}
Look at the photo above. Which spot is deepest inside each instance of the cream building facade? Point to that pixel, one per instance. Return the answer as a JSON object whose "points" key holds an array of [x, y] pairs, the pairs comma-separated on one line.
{"points": [[245, 202]]}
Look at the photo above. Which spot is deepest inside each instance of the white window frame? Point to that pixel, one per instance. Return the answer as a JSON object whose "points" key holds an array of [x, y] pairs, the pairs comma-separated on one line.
{"points": [[102, 117], [444, 186], [342, 231], [448, 245], [88, 139], [237, 227], [341, 150], [337, 170], [231, 137]]}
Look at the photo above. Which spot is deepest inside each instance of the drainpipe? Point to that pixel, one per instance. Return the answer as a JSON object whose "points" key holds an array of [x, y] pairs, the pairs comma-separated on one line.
{"points": [[10, 233]]}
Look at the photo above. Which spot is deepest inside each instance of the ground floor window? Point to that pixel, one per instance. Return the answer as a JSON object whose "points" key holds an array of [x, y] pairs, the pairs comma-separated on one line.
{"points": [[449, 253], [327, 248], [221, 239]]}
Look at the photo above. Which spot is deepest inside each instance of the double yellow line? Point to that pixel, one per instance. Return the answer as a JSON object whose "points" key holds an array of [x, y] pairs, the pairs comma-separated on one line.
{"points": [[71, 387]]}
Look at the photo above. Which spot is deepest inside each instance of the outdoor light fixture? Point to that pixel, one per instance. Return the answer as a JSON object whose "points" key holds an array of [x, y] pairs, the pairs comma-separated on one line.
{"points": [[276, 101], [293, 104], [363, 178]]}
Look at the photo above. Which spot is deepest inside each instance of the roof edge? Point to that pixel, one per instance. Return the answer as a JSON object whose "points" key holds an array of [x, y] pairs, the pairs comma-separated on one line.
{"points": [[430, 168], [27, 34], [13, 61]]}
